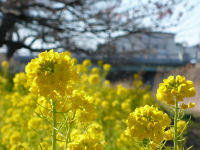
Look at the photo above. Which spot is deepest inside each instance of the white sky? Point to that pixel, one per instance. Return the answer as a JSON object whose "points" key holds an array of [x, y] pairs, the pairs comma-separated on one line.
{"points": [[188, 30]]}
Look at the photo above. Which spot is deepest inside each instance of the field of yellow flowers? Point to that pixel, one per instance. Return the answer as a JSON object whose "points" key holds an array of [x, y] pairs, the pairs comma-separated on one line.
{"points": [[58, 104]]}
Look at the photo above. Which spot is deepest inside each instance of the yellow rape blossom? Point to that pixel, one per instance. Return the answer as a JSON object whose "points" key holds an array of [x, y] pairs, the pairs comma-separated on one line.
{"points": [[15, 138], [100, 63], [87, 63], [35, 123], [50, 73], [191, 105], [107, 82], [95, 70], [182, 126], [4, 64], [94, 79], [121, 90], [106, 67], [148, 122], [178, 88], [20, 81], [20, 146], [93, 139]]}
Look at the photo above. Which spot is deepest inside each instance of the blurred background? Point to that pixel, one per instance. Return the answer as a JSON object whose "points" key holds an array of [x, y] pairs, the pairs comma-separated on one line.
{"points": [[131, 35], [155, 38], [152, 37]]}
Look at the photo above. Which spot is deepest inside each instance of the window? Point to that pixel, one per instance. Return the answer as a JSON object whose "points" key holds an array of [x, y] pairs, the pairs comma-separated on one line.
{"points": [[155, 46], [165, 46]]}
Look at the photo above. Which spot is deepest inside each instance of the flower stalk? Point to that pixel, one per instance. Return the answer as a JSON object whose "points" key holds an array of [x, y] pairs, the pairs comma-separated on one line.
{"points": [[54, 124], [69, 131], [175, 125]]}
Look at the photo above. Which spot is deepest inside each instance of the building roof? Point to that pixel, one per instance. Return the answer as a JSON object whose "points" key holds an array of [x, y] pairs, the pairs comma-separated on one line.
{"points": [[136, 32]]}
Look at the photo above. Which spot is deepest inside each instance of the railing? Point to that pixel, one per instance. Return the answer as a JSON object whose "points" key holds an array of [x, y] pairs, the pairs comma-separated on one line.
{"points": [[124, 62], [145, 59]]}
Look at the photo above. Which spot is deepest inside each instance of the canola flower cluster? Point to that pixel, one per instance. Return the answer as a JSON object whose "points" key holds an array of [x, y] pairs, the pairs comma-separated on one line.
{"points": [[58, 104], [172, 91], [149, 122], [50, 73], [93, 138], [177, 88]]}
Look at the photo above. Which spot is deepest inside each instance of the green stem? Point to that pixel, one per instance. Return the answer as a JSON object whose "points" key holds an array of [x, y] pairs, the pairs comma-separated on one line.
{"points": [[69, 130], [149, 144], [54, 125], [163, 144], [175, 125]]}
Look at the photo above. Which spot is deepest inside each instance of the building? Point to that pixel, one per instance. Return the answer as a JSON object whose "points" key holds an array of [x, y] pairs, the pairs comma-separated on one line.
{"points": [[156, 45]]}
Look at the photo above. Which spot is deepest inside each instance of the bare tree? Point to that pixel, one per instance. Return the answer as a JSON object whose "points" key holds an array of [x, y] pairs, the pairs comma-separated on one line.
{"points": [[39, 25]]}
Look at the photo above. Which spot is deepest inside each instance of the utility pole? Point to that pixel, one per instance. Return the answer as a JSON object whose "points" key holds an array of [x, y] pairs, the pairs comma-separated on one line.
{"points": [[198, 49]]}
